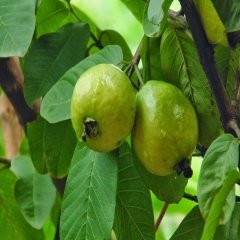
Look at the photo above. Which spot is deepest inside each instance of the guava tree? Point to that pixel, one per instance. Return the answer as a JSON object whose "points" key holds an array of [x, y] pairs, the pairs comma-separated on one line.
{"points": [[56, 187]]}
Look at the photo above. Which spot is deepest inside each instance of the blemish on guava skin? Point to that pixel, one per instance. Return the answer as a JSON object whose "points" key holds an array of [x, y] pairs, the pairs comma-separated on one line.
{"points": [[178, 111]]}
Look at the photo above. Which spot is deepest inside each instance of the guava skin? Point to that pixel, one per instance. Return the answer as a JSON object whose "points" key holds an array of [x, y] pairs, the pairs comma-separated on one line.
{"points": [[104, 95], [165, 129]]}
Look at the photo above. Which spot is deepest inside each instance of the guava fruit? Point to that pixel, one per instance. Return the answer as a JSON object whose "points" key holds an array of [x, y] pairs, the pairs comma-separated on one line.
{"points": [[103, 107], [165, 131]]}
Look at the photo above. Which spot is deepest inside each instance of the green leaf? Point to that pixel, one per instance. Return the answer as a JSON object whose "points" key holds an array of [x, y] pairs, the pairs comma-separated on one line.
{"points": [[181, 67], [34, 193], [169, 189], [108, 37], [51, 15], [155, 17], [134, 213], [227, 61], [51, 225], [51, 56], [17, 23], [56, 104], [151, 59], [12, 223], [90, 196], [84, 18], [221, 157], [231, 16], [51, 146], [192, 226], [136, 7], [218, 203]]}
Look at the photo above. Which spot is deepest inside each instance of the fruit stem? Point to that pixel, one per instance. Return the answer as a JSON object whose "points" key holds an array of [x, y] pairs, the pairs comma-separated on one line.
{"points": [[139, 75], [160, 217]]}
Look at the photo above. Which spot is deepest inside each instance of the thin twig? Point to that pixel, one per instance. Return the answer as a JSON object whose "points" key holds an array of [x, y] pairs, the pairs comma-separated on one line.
{"points": [[201, 149], [136, 58], [160, 217], [190, 197]]}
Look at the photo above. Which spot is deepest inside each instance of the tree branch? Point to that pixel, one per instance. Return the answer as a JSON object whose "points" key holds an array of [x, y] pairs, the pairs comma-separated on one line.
{"points": [[190, 197], [162, 213], [9, 73], [205, 52]]}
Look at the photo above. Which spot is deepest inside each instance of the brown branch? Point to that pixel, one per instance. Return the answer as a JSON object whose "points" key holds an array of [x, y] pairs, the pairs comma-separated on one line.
{"points": [[160, 217], [11, 129], [10, 74], [205, 52], [135, 60]]}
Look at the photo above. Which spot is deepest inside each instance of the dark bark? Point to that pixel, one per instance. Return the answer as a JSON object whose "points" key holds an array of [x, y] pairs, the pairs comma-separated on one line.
{"points": [[9, 70]]}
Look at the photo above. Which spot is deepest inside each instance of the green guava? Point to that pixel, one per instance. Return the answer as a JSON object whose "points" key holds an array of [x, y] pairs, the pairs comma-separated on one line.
{"points": [[103, 107], [165, 131]]}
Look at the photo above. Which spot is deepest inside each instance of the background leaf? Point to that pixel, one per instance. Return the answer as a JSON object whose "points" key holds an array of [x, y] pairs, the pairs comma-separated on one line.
{"points": [[17, 23], [192, 227], [51, 56], [181, 67], [134, 213], [229, 11], [51, 15], [151, 59], [227, 61], [109, 37], [84, 18], [169, 189], [34, 193], [136, 7], [221, 157], [90, 195], [12, 223], [56, 104], [155, 16], [51, 146]]}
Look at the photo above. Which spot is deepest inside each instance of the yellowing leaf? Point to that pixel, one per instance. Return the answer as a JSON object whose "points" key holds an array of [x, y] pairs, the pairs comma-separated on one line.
{"points": [[212, 24]]}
